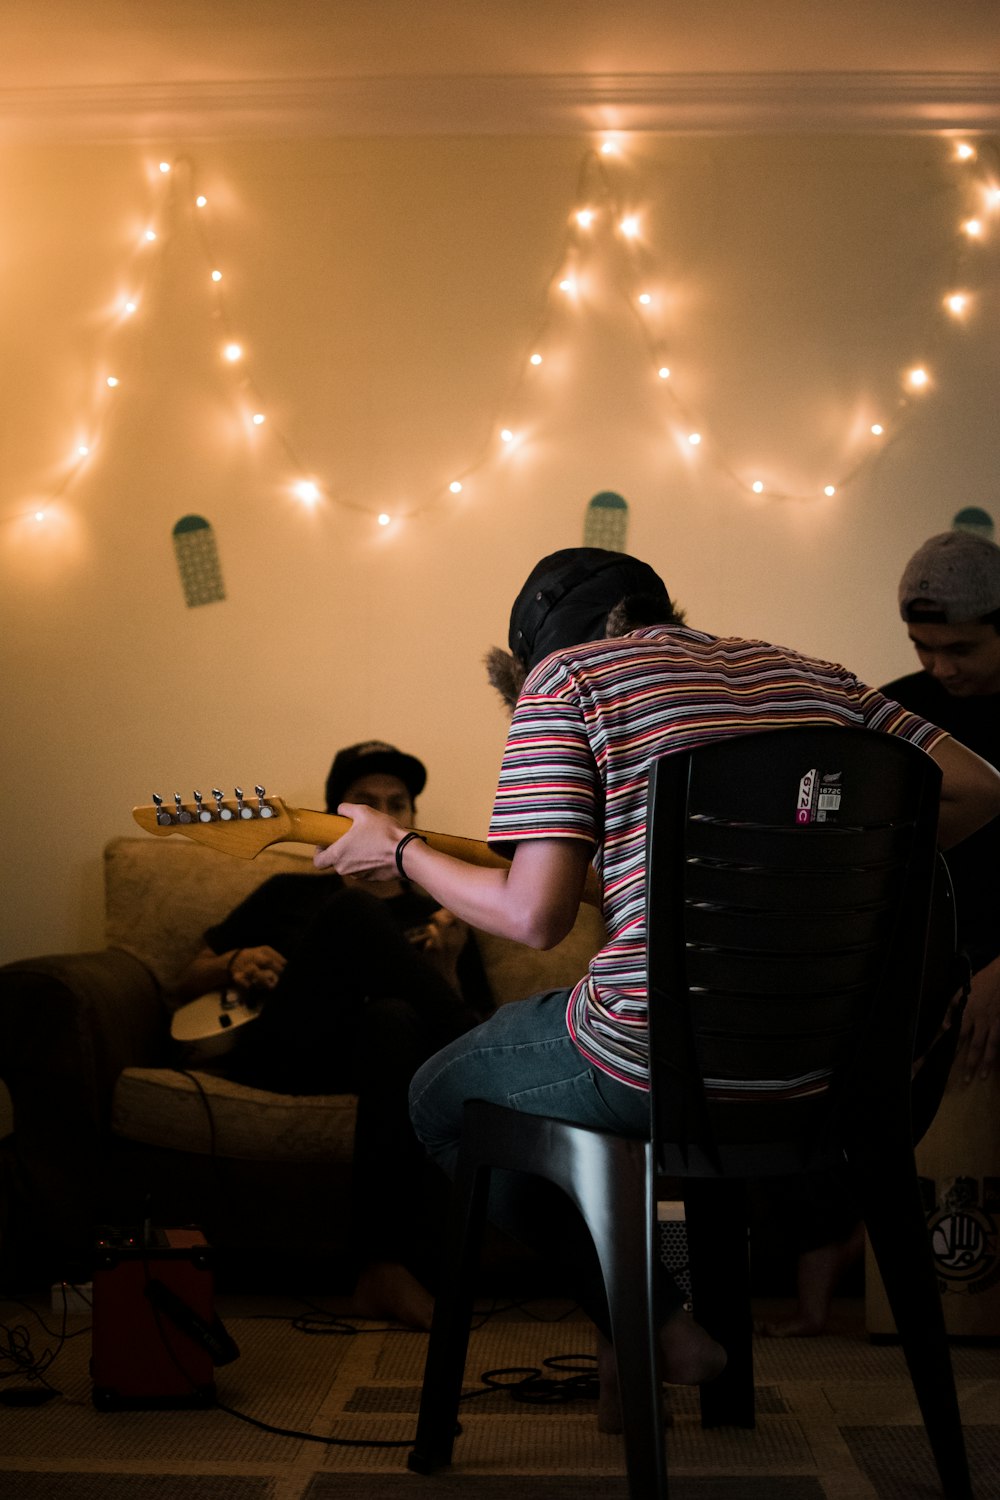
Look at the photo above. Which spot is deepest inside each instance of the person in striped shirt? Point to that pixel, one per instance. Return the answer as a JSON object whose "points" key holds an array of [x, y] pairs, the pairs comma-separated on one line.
{"points": [[603, 676]]}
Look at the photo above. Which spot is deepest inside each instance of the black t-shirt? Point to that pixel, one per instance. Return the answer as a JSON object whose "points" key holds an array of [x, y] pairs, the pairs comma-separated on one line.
{"points": [[281, 910], [975, 863]]}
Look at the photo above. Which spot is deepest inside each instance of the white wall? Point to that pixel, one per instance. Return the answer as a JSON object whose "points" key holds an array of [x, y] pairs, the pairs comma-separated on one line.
{"points": [[388, 293]]}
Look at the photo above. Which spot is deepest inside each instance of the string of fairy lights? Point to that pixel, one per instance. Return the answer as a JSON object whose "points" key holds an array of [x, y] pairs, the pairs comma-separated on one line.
{"points": [[604, 190]]}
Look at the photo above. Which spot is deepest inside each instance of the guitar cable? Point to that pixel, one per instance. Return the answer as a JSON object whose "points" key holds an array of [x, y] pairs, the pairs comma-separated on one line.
{"points": [[524, 1384]]}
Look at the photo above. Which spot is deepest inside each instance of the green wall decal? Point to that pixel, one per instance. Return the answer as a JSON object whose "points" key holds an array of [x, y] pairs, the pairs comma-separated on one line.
{"points": [[606, 522], [198, 561], [976, 520]]}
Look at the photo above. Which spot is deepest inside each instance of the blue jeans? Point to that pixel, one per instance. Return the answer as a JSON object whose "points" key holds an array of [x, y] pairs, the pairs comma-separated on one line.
{"points": [[523, 1057]]}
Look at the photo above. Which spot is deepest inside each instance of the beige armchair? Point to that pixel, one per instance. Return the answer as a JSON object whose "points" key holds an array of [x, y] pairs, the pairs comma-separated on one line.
{"points": [[105, 1127]]}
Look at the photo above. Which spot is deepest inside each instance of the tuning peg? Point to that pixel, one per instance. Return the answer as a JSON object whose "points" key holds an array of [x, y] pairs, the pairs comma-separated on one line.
{"points": [[224, 813], [162, 816], [242, 811], [263, 809], [183, 816], [204, 816]]}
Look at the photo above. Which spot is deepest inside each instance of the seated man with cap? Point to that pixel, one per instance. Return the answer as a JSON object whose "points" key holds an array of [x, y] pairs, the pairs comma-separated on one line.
{"points": [[949, 596], [360, 982], [603, 676]]}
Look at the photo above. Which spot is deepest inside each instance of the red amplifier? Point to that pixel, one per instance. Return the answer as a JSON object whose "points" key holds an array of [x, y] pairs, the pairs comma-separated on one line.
{"points": [[156, 1337]]}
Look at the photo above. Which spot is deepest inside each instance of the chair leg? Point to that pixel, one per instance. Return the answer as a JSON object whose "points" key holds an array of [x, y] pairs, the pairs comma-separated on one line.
{"points": [[718, 1255], [613, 1202], [447, 1348], [897, 1229]]}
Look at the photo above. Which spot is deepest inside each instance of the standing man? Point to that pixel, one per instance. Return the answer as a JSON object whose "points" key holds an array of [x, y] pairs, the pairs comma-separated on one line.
{"points": [[949, 596], [606, 677]]}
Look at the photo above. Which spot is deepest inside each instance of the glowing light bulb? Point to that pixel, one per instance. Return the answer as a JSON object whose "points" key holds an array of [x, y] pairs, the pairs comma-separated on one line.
{"points": [[608, 148], [455, 487], [506, 436], [918, 378], [629, 227], [164, 166], [307, 491], [829, 489], [964, 151], [877, 429], [128, 308], [585, 217], [233, 352], [216, 275], [82, 449], [568, 285], [383, 519], [645, 298], [664, 372], [258, 418], [200, 201], [973, 228], [757, 487], [993, 197], [536, 359], [112, 381], [957, 302], [39, 515], [694, 438], [150, 234]]}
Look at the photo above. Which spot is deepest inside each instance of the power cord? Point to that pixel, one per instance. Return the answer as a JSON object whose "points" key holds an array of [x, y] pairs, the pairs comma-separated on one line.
{"points": [[18, 1359], [525, 1384], [533, 1388]]}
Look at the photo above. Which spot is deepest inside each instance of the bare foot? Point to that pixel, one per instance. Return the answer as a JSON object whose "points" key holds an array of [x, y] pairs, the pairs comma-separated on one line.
{"points": [[819, 1273], [690, 1355], [387, 1290]]}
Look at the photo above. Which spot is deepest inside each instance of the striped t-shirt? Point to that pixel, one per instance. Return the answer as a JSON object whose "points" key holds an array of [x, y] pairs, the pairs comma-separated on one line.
{"points": [[589, 721]]}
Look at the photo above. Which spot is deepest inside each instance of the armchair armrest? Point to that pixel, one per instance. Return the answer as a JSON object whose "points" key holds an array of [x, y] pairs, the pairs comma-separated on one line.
{"points": [[69, 1023]]}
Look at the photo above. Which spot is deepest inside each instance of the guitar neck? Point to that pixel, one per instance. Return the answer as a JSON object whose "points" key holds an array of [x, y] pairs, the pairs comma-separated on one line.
{"points": [[245, 829], [326, 828]]}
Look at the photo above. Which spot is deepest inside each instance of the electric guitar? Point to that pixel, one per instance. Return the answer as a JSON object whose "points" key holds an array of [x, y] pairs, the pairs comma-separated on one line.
{"points": [[246, 827], [207, 1027]]}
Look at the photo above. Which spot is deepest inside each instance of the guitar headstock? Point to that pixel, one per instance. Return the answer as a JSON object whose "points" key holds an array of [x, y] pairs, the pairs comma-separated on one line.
{"points": [[237, 825]]}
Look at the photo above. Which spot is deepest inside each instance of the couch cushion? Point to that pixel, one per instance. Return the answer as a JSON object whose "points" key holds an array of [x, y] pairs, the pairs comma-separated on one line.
{"points": [[164, 1108]]}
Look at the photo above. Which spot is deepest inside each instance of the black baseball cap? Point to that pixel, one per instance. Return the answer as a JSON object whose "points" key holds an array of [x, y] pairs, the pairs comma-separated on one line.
{"points": [[567, 597], [372, 758]]}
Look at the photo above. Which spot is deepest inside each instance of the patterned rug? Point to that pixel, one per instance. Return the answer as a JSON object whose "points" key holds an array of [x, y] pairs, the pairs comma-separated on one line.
{"points": [[836, 1420]]}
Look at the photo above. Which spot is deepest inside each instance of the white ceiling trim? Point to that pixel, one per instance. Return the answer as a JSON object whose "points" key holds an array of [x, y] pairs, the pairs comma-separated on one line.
{"points": [[556, 104]]}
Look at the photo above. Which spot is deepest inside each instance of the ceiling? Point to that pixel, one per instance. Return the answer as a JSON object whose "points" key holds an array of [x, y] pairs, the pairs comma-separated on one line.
{"points": [[108, 69]]}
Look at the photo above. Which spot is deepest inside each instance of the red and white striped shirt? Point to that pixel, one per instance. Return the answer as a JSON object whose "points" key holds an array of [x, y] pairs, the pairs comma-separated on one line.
{"points": [[589, 721]]}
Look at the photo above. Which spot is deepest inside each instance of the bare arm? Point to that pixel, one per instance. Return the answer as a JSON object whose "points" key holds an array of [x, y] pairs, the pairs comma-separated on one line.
{"points": [[534, 902], [241, 966], [970, 792]]}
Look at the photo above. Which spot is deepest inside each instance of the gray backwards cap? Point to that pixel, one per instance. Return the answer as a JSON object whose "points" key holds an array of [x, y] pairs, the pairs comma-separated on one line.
{"points": [[567, 597], [954, 578]]}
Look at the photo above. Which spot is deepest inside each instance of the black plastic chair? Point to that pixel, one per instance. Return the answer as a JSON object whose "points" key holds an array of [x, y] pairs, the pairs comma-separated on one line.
{"points": [[789, 891]]}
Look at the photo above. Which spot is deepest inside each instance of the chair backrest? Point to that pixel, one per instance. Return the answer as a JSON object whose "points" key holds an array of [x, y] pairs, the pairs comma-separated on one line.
{"points": [[789, 885]]}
